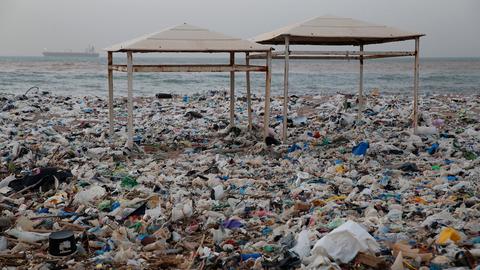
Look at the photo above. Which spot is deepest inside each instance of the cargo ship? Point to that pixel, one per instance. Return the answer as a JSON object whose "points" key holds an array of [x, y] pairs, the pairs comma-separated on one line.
{"points": [[89, 52]]}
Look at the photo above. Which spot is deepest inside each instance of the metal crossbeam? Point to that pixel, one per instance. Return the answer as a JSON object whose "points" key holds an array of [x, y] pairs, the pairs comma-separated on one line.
{"points": [[190, 68]]}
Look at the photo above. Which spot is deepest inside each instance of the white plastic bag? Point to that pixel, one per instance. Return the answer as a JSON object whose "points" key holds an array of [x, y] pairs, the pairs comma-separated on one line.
{"points": [[182, 210], [29, 237], [303, 246], [345, 242], [218, 192], [426, 130], [88, 195]]}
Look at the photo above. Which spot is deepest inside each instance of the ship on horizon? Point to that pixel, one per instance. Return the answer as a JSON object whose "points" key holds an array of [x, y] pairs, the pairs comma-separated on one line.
{"points": [[89, 52]]}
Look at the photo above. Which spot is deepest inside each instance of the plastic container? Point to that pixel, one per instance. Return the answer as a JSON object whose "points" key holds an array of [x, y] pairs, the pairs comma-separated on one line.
{"points": [[62, 243]]}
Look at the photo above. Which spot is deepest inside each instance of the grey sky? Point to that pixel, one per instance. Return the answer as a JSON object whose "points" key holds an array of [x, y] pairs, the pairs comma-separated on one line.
{"points": [[28, 26]]}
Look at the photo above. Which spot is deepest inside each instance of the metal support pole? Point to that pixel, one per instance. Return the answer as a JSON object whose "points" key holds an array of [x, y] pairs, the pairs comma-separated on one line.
{"points": [[130, 99], [249, 97], [415, 85], [360, 88], [110, 94], [268, 75], [285, 89], [232, 91]]}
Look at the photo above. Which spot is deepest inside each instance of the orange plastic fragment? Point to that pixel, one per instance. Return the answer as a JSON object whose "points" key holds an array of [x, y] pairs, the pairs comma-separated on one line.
{"points": [[448, 234]]}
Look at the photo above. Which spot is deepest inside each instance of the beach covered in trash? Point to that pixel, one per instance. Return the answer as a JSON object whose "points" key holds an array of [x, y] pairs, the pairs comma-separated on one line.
{"points": [[192, 193]]}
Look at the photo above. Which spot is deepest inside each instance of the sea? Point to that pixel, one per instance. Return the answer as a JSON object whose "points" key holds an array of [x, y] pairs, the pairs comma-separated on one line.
{"points": [[88, 76]]}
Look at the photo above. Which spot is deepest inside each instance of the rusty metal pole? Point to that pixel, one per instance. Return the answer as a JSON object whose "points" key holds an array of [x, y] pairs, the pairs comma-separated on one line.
{"points": [[415, 85], [285, 89], [130, 99], [249, 97], [110, 94], [268, 79], [232, 91], [360, 88]]}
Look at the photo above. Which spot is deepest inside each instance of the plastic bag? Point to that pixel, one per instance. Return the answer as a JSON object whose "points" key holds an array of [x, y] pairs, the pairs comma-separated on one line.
{"points": [[302, 248], [87, 196], [29, 237], [345, 242], [360, 149]]}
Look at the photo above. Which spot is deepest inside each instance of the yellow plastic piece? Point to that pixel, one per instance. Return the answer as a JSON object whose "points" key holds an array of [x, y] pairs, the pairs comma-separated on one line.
{"points": [[340, 169], [448, 234]]}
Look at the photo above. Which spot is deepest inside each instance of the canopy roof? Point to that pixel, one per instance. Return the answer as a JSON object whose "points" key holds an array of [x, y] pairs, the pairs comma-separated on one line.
{"points": [[187, 38], [328, 30]]}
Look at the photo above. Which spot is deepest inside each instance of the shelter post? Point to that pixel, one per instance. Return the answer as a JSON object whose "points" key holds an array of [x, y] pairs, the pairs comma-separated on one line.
{"points": [[285, 89], [415, 85], [110, 93], [360, 88], [266, 114], [232, 91], [249, 97], [130, 98]]}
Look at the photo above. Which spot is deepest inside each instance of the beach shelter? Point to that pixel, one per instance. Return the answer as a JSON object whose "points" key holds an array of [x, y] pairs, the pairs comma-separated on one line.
{"points": [[329, 30], [187, 38]]}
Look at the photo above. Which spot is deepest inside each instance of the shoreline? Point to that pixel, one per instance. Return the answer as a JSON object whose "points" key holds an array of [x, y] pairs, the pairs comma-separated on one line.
{"points": [[242, 93], [313, 77]]}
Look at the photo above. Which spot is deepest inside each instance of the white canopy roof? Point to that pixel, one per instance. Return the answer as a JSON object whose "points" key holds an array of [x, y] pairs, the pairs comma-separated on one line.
{"points": [[187, 38], [328, 30]]}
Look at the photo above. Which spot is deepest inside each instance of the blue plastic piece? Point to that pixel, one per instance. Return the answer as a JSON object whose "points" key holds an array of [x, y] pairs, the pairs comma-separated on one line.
{"points": [[42, 211], [224, 178], [115, 205], [254, 256], [433, 149], [293, 148], [384, 181], [476, 240], [387, 196], [137, 139], [94, 230], [452, 178], [66, 214], [142, 236], [267, 231], [444, 135], [435, 267], [317, 181], [384, 229], [360, 149]]}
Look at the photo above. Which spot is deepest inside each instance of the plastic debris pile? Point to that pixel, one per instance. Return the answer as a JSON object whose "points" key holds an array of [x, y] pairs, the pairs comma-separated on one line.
{"points": [[343, 193]]}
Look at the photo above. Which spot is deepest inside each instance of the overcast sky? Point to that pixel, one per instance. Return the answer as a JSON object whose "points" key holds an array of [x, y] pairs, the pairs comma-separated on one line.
{"points": [[29, 26]]}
